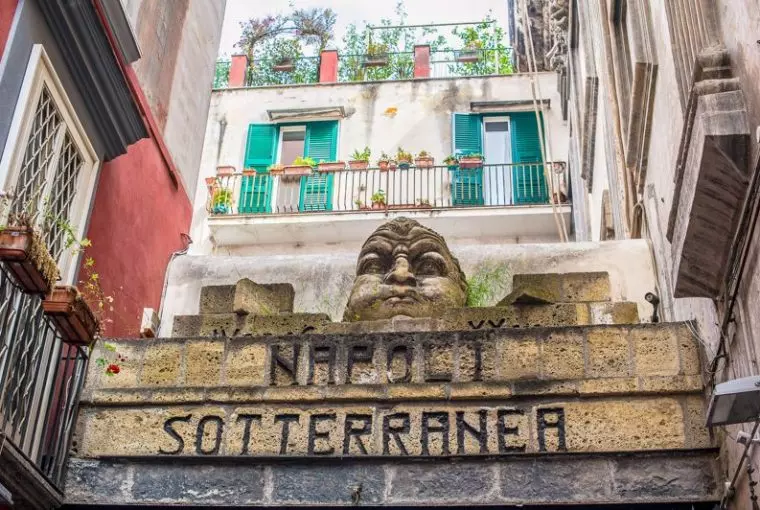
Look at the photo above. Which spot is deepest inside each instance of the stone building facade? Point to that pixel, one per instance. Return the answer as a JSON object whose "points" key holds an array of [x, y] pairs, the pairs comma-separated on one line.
{"points": [[663, 110]]}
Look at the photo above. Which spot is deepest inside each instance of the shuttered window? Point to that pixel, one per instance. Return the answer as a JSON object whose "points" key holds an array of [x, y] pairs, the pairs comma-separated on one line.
{"points": [[260, 151], [528, 180], [321, 146], [467, 184]]}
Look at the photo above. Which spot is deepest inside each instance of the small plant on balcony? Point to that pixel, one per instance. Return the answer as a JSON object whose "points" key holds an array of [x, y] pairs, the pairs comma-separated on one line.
{"points": [[275, 169], [471, 161], [423, 203], [386, 162], [377, 55], [378, 199], [404, 158], [249, 172], [451, 162], [360, 159], [221, 201], [358, 203], [301, 166], [23, 249], [424, 160]]}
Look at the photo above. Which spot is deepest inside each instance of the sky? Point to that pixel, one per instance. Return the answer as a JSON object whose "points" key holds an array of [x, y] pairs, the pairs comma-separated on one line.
{"points": [[357, 11]]}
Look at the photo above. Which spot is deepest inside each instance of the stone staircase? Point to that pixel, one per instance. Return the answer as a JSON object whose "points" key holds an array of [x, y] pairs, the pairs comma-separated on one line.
{"points": [[557, 395]]}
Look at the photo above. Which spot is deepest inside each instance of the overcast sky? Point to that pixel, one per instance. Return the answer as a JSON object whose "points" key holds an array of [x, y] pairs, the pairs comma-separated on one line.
{"points": [[357, 11]]}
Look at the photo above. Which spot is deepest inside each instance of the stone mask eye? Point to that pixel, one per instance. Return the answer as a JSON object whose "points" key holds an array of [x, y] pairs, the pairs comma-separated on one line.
{"points": [[373, 266], [429, 266]]}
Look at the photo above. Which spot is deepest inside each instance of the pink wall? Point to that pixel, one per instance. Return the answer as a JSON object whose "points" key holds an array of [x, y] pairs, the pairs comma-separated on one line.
{"points": [[136, 224], [7, 10]]}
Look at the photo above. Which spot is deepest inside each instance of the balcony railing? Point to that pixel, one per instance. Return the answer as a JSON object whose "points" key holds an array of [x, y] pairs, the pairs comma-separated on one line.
{"points": [[40, 381], [415, 188], [482, 62]]}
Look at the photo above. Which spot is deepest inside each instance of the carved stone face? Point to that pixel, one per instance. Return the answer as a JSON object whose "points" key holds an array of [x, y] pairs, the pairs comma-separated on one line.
{"points": [[405, 270]]}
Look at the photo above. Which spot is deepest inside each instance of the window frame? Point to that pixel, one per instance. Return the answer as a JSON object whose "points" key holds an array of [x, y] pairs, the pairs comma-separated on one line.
{"points": [[40, 73]]}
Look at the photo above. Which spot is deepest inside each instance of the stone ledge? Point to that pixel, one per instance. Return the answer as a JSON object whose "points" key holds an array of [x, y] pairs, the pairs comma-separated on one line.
{"points": [[679, 476], [647, 352]]}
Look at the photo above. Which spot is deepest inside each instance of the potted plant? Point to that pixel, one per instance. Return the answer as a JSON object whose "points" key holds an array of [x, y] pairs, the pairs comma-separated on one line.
{"points": [[285, 64], [377, 55], [224, 171], [301, 166], [378, 199], [275, 169], [72, 315], [358, 203], [471, 161], [334, 166], [470, 53], [451, 162], [360, 159], [22, 246], [221, 201], [403, 158], [424, 160], [249, 172], [385, 162]]}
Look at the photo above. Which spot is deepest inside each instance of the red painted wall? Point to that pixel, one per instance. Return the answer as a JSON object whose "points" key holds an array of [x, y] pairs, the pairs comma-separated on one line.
{"points": [[136, 224], [7, 10]]}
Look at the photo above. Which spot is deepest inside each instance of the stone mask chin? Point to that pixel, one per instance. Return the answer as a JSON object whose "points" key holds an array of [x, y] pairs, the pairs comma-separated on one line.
{"points": [[405, 270]]}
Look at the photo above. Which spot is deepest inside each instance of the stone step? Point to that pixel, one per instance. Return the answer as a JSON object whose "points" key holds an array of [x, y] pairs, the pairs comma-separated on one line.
{"points": [[582, 287], [247, 297]]}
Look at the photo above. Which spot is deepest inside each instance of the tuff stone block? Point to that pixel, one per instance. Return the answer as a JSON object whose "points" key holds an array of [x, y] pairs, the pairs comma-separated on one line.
{"points": [[290, 324], [252, 298], [203, 363], [217, 299], [161, 365], [345, 485], [447, 482], [562, 356], [623, 312], [567, 287], [608, 353], [655, 351]]}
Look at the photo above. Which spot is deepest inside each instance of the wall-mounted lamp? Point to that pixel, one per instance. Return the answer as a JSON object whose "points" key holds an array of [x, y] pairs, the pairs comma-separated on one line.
{"points": [[736, 401]]}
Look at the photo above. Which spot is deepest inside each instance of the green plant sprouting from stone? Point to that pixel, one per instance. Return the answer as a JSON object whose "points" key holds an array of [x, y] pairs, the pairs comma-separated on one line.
{"points": [[487, 284]]}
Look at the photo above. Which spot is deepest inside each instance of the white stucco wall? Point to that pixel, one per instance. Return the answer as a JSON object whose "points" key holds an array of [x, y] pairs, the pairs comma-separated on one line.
{"points": [[413, 114], [323, 279]]}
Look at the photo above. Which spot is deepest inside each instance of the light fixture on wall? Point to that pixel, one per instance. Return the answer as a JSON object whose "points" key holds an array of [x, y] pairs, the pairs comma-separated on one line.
{"points": [[736, 401]]}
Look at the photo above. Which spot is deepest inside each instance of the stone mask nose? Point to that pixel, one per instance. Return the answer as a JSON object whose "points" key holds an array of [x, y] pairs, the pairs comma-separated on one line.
{"points": [[400, 274]]}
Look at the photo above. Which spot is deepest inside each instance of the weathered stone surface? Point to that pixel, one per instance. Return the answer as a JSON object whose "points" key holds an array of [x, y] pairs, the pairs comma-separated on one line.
{"points": [[250, 297], [527, 296], [567, 287], [446, 483], [672, 477], [217, 299], [283, 294], [290, 323], [161, 365]]}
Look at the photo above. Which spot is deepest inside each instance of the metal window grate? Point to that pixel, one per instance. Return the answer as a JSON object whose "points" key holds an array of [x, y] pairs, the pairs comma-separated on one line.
{"points": [[40, 150], [62, 195]]}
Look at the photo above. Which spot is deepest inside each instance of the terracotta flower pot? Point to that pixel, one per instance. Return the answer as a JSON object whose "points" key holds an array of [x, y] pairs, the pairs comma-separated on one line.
{"points": [[378, 205], [383, 165], [466, 162], [375, 61], [335, 166], [210, 181], [224, 171], [358, 165], [276, 170], [71, 315], [30, 263], [424, 162], [249, 172]]}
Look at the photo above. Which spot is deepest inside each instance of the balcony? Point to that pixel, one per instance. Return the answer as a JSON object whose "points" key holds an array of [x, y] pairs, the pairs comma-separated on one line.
{"points": [[400, 65], [40, 382], [489, 201]]}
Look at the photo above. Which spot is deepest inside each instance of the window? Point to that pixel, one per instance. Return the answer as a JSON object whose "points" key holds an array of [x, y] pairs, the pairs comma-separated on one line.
{"points": [[268, 143], [49, 164], [514, 170]]}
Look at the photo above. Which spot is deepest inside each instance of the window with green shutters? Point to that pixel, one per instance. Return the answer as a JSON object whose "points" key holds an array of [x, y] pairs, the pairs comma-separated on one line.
{"points": [[260, 152], [467, 183], [528, 180], [321, 146]]}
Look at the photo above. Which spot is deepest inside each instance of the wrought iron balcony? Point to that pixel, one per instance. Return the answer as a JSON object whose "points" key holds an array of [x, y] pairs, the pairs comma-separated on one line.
{"points": [[373, 189], [41, 378]]}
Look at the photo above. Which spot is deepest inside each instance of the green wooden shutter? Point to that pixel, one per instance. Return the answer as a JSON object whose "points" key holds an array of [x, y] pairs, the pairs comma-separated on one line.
{"points": [[528, 180], [322, 146], [260, 150], [467, 183], [467, 134]]}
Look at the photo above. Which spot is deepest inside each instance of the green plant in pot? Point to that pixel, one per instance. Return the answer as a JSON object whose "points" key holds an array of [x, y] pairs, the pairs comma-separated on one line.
{"points": [[378, 199], [360, 159], [385, 162], [403, 158], [304, 161], [451, 162], [221, 201]]}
